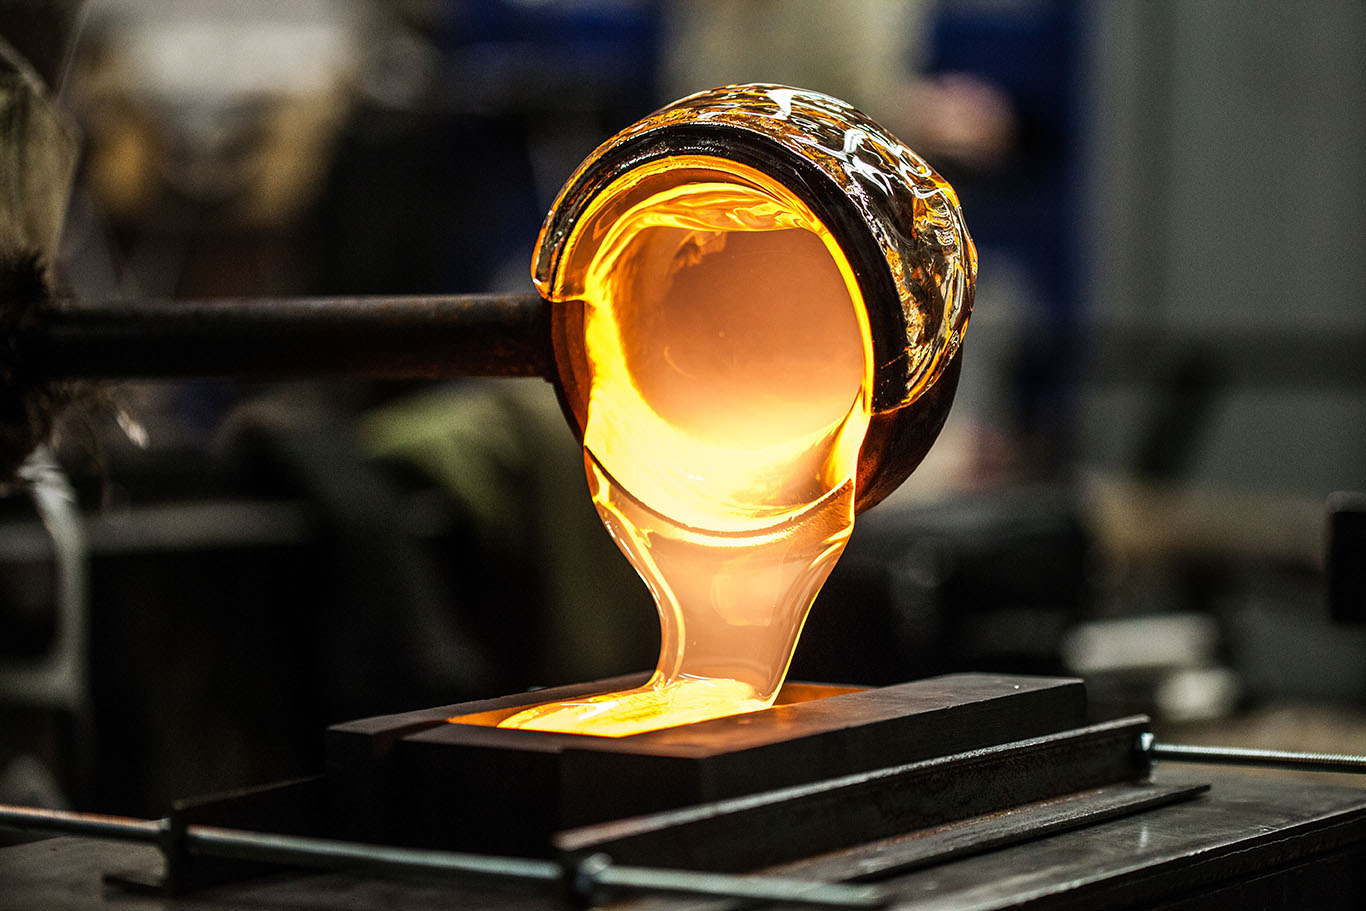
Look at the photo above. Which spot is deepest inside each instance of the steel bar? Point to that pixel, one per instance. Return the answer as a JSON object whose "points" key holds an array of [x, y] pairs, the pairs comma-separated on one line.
{"points": [[586, 877], [376, 337], [1284, 759], [93, 825], [326, 853]]}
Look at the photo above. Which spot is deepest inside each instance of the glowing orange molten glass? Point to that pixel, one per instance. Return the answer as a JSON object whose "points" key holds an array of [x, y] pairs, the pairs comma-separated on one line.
{"points": [[730, 366]]}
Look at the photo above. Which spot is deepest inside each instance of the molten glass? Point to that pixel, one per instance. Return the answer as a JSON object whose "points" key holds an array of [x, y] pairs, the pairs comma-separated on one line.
{"points": [[759, 297], [730, 367]]}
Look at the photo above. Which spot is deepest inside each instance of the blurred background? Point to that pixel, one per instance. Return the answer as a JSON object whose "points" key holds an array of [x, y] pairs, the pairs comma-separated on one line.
{"points": [[1162, 412]]}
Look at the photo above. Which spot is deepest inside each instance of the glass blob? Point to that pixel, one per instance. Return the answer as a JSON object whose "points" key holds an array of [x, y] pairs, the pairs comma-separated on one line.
{"points": [[729, 369]]}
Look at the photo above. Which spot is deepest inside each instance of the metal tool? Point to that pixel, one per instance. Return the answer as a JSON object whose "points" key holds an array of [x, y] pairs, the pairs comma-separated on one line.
{"points": [[895, 219], [272, 338], [1281, 759], [583, 878], [387, 338]]}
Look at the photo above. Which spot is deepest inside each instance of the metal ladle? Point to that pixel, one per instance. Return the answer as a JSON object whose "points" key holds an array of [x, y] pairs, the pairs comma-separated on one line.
{"points": [[896, 220]]}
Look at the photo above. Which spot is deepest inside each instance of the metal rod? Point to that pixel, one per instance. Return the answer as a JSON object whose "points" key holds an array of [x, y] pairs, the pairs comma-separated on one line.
{"points": [[377, 337], [585, 877], [1284, 759], [326, 853], [94, 825]]}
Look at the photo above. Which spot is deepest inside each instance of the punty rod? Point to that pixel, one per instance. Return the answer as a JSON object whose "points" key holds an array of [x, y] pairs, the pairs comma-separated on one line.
{"points": [[399, 337], [581, 877]]}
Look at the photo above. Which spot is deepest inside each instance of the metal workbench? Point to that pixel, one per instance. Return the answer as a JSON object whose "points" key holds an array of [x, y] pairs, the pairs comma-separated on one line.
{"points": [[1253, 840]]}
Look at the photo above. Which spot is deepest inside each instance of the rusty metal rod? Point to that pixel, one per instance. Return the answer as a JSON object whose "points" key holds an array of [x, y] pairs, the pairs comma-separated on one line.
{"points": [[274, 338], [91, 825]]}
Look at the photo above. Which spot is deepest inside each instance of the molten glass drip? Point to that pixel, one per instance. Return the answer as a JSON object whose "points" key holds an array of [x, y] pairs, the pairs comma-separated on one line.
{"points": [[730, 367]]}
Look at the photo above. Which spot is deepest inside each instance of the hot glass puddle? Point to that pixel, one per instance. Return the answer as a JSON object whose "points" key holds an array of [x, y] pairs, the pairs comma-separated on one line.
{"points": [[729, 372]]}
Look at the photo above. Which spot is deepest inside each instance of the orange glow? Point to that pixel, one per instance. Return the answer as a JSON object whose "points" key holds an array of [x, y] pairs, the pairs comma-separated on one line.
{"points": [[790, 694], [730, 367]]}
